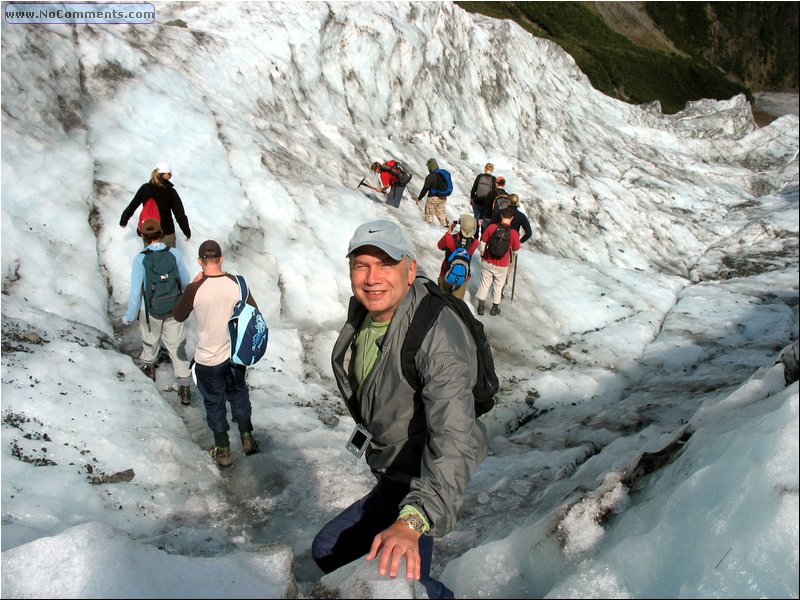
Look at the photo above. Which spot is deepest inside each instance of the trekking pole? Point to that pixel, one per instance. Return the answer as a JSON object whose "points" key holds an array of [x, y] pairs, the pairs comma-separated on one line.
{"points": [[514, 276]]}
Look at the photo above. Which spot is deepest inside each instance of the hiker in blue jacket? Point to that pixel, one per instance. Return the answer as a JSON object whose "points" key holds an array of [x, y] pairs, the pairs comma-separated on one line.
{"points": [[424, 447], [162, 190], [158, 330]]}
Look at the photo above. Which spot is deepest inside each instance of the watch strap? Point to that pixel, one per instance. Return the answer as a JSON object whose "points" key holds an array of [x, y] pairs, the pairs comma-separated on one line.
{"points": [[415, 518]]}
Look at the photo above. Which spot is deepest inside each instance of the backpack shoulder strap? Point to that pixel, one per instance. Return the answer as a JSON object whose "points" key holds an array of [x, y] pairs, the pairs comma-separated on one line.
{"points": [[147, 252], [427, 312], [243, 291]]}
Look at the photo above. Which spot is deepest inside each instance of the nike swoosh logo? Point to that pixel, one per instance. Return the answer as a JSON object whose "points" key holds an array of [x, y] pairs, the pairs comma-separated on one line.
{"points": [[375, 230]]}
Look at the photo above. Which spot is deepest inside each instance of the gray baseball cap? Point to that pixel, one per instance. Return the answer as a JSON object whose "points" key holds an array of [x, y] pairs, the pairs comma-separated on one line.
{"points": [[386, 235]]}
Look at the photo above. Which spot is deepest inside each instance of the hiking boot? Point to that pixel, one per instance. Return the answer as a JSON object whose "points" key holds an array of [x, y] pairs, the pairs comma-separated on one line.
{"points": [[249, 444], [149, 370], [495, 309], [185, 394], [481, 308], [222, 454]]}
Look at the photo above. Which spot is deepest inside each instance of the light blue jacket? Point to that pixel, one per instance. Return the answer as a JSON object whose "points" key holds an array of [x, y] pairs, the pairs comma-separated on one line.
{"points": [[137, 279]]}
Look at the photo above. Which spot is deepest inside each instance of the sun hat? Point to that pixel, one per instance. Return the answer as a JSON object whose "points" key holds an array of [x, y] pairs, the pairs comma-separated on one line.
{"points": [[386, 235], [468, 225]]}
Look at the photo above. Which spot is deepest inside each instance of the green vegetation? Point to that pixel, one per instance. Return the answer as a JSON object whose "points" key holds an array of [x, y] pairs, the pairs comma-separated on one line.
{"points": [[721, 45], [757, 42]]}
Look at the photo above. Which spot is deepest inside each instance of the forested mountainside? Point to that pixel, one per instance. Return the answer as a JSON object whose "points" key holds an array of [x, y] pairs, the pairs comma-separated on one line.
{"points": [[672, 52]]}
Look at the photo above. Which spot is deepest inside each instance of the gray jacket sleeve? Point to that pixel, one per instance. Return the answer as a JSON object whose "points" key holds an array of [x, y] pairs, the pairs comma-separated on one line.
{"points": [[457, 441]]}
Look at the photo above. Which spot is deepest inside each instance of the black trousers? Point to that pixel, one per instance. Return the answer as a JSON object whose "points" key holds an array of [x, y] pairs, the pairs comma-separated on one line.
{"points": [[349, 535]]}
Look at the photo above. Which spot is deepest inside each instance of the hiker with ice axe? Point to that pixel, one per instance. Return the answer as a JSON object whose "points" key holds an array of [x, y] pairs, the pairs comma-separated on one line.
{"points": [[394, 177]]}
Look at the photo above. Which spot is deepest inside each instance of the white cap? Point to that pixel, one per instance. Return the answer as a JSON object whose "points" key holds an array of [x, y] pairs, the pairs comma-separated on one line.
{"points": [[386, 235], [163, 167]]}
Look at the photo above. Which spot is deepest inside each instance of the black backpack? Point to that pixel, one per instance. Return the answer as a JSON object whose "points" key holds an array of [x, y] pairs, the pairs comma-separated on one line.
{"points": [[487, 383], [484, 187], [162, 282], [501, 202], [500, 241], [401, 174]]}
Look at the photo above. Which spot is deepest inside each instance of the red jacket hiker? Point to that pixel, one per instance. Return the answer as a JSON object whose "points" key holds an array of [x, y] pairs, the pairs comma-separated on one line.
{"points": [[513, 247]]}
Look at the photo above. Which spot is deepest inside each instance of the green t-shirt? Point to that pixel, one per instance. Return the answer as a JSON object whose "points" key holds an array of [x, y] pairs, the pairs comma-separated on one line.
{"points": [[366, 348]]}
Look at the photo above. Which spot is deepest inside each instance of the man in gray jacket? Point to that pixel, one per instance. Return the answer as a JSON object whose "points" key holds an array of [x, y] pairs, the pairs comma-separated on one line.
{"points": [[423, 448]]}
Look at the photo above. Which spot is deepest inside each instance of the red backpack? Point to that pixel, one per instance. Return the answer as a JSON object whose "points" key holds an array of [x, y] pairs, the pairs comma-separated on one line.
{"points": [[398, 170], [149, 211]]}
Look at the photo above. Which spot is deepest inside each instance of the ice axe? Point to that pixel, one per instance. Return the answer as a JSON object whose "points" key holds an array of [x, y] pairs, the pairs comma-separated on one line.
{"points": [[363, 182]]}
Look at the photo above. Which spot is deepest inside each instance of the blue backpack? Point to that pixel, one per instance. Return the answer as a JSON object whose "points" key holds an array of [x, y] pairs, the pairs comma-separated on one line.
{"points": [[445, 181], [247, 329], [456, 272], [457, 267]]}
